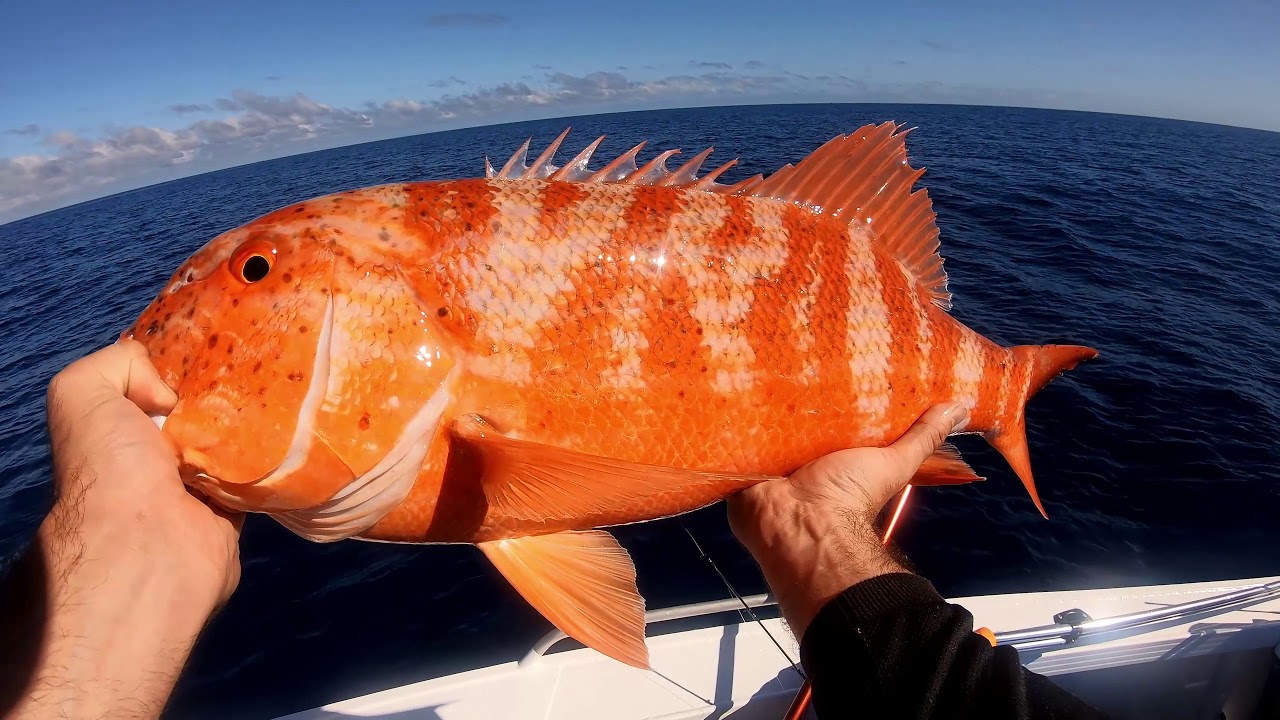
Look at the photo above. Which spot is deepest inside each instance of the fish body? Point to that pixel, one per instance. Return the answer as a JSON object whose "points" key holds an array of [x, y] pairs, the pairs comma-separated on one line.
{"points": [[518, 360]]}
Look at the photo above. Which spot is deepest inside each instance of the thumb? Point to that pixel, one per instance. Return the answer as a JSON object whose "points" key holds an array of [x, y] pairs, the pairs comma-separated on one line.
{"points": [[120, 369], [925, 437]]}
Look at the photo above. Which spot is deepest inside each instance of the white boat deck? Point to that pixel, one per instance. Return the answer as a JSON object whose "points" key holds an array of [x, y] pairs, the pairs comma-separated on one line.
{"points": [[734, 670]]}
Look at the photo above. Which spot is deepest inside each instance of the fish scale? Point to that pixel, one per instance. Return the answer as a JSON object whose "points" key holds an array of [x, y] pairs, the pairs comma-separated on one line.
{"points": [[519, 360]]}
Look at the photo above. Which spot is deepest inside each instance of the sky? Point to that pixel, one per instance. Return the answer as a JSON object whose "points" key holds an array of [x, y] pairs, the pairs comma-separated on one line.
{"points": [[97, 98]]}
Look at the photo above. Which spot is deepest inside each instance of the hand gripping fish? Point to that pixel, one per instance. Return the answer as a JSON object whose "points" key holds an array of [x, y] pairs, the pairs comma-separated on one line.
{"points": [[517, 361]]}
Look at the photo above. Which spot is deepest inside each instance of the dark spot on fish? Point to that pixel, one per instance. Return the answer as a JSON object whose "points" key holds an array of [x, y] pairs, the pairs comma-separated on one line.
{"points": [[302, 329], [384, 236], [253, 322], [190, 276], [681, 393], [191, 312], [213, 341], [312, 216], [169, 315], [488, 267], [671, 363], [262, 390], [467, 227], [295, 376], [704, 368], [287, 277], [791, 407], [153, 327], [230, 347], [257, 366], [364, 421], [699, 331], [264, 406], [235, 302], [495, 226], [442, 312], [213, 385]]}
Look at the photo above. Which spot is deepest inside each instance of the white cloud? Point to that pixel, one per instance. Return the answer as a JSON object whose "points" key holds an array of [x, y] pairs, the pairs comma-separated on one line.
{"points": [[255, 127]]}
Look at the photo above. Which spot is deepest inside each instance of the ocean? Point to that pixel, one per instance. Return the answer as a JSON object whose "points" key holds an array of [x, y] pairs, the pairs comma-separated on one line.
{"points": [[1155, 241]]}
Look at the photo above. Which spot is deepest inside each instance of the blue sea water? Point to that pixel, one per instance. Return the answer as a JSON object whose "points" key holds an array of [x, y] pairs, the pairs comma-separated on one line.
{"points": [[1155, 241]]}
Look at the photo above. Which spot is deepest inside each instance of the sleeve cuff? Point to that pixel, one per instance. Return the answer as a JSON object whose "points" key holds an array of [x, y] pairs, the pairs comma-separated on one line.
{"points": [[868, 601]]}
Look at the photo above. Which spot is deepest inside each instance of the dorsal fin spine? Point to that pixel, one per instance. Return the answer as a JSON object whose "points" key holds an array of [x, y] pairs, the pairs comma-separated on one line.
{"points": [[862, 179]]}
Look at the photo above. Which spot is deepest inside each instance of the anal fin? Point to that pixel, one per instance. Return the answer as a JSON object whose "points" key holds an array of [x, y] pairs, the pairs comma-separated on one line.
{"points": [[944, 467], [583, 582]]}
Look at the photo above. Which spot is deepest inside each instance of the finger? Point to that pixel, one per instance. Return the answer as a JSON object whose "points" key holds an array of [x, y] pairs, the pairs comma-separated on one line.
{"points": [[925, 437], [233, 517], [121, 369]]}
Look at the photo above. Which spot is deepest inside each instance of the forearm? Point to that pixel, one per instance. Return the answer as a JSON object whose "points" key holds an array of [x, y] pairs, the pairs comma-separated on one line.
{"points": [[97, 636], [890, 646]]}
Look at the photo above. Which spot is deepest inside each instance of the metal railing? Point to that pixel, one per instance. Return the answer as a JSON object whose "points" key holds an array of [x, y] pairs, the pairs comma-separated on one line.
{"points": [[1059, 634], [677, 612], [1065, 633]]}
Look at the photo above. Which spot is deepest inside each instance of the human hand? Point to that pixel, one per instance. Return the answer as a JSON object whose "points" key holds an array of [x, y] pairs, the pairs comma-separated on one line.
{"points": [[813, 533], [116, 477], [129, 563]]}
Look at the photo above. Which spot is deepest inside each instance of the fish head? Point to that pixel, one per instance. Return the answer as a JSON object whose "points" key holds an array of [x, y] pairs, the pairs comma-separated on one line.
{"points": [[237, 333], [307, 362]]}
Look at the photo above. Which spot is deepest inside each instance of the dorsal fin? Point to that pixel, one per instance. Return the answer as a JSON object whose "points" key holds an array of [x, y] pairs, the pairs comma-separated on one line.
{"points": [[622, 169], [862, 179]]}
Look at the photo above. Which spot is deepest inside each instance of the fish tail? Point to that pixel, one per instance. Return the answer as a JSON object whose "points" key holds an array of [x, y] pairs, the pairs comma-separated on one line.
{"points": [[1035, 366]]}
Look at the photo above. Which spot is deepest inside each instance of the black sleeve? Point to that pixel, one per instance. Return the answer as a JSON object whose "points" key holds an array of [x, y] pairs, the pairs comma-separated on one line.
{"points": [[892, 647]]}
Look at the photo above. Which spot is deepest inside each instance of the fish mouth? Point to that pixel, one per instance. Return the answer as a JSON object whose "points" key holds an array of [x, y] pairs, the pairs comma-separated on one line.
{"points": [[198, 467]]}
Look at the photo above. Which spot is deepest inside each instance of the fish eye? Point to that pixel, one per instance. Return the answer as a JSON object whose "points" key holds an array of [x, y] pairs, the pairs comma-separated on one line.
{"points": [[255, 268], [252, 261]]}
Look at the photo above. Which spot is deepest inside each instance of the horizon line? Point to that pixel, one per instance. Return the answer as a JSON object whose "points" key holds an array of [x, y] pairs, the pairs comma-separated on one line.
{"points": [[480, 160]]}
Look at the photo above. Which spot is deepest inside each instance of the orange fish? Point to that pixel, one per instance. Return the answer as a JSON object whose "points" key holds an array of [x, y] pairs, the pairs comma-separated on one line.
{"points": [[517, 361]]}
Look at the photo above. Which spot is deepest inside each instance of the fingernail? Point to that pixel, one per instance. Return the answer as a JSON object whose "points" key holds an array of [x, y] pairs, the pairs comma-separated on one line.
{"points": [[958, 415]]}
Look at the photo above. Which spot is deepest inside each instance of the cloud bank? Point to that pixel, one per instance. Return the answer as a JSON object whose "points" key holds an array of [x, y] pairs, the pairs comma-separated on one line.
{"points": [[248, 126], [467, 19]]}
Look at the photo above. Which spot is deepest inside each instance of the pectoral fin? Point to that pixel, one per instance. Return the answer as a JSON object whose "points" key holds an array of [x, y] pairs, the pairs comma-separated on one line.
{"points": [[584, 583], [944, 467]]}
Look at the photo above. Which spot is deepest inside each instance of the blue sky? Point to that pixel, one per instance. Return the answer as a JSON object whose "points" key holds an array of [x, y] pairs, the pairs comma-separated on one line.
{"points": [[100, 97]]}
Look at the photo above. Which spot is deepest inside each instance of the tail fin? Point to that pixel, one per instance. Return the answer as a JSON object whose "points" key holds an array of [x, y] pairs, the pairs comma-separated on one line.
{"points": [[1046, 362]]}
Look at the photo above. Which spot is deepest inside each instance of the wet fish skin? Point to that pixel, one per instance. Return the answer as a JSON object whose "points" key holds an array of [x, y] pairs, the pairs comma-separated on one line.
{"points": [[514, 361]]}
